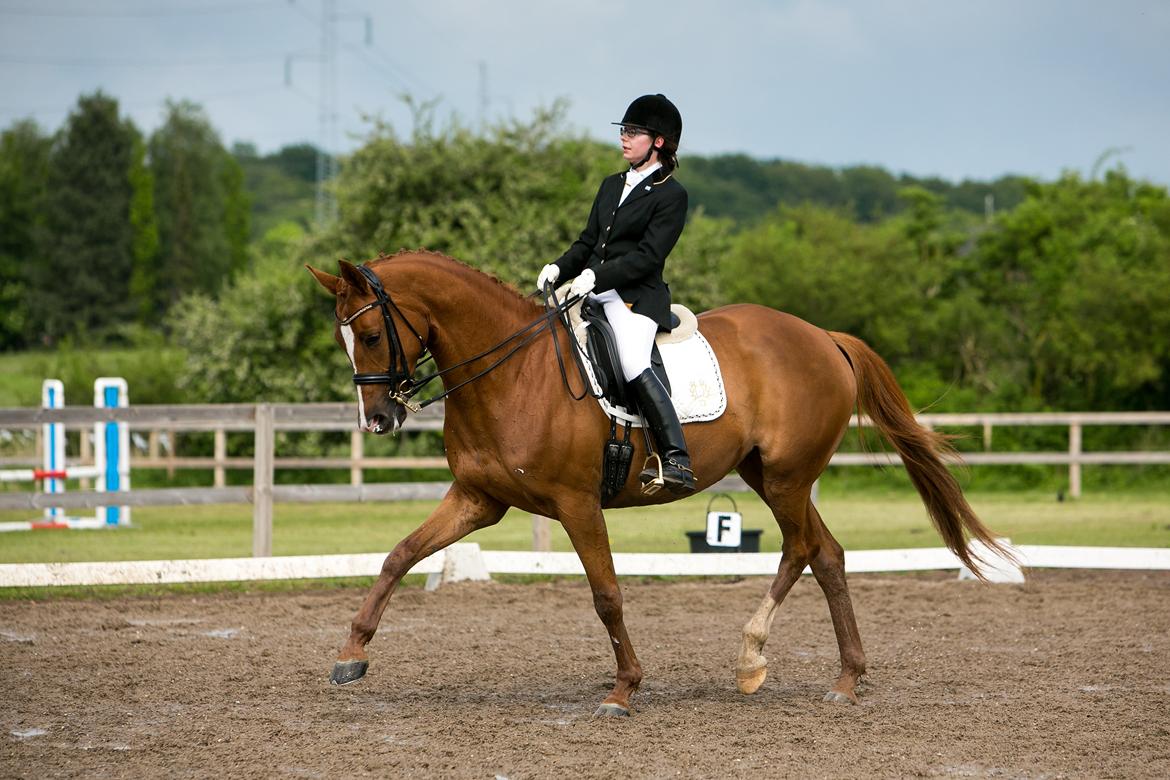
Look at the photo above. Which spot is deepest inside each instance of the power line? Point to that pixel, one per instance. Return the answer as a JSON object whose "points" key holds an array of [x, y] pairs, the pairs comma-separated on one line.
{"points": [[89, 13], [130, 62], [394, 70]]}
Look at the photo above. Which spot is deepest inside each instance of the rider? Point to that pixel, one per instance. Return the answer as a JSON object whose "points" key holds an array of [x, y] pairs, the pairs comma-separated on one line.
{"points": [[618, 259]]}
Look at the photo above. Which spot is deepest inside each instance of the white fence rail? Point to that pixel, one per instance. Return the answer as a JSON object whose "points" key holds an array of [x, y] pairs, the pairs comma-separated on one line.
{"points": [[547, 563]]}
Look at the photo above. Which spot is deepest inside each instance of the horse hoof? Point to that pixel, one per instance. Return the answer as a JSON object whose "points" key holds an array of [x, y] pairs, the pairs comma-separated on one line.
{"points": [[837, 697], [750, 682], [611, 711], [346, 672]]}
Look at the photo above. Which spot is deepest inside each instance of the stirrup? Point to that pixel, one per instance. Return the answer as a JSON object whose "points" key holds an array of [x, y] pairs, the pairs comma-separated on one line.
{"points": [[659, 482]]}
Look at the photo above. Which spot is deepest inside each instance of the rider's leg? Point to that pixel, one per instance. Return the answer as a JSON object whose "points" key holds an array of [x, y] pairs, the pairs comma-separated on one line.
{"points": [[663, 421], [634, 333], [635, 336]]}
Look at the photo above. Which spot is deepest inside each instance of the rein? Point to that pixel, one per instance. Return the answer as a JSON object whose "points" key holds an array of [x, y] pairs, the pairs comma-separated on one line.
{"points": [[405, 386]]}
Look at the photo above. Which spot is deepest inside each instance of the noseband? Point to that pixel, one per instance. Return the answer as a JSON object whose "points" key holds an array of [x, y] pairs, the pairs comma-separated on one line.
{"points": [[397, 376]]}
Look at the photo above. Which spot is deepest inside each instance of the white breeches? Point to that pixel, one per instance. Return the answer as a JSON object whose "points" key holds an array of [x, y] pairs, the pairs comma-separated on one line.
{"points": [[635, 333]]}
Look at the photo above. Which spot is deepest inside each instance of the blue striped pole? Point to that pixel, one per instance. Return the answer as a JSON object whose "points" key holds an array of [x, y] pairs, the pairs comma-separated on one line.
{"points": [[112, 448]]}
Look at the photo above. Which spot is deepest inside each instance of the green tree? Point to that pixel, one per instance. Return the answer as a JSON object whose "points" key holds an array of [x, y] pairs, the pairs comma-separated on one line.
{"points": [[298, 161], [236, 213], [202, 213], [79, 284], [273, 335], [24, 162], [1081, 272], [144, 277], [277, 191], [694, 270], [507, 201]]}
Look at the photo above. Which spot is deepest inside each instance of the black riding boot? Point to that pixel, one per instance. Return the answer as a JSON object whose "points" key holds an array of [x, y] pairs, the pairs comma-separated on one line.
{"points": [[664, 425]]}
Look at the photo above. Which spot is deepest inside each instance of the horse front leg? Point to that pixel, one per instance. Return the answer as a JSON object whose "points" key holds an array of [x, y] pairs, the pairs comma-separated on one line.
{"points": [[590, 539], [459, 513]]}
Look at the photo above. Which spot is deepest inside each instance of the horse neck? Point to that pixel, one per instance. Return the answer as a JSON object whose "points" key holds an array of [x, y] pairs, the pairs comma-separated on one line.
{"points": [[469, 312]]}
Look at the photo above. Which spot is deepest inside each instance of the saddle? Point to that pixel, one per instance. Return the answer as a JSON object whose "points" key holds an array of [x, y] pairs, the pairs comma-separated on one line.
{"points": [[681, 355], [602, 353]]}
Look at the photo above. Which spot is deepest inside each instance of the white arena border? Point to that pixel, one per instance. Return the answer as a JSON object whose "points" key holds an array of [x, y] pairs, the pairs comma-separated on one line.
{"points": [[549, 563]]}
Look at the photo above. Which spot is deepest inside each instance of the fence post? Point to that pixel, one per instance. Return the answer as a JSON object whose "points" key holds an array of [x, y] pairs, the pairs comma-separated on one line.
{"points": [[356, 453], [85, 456], [262, 475], [541, 541], [987, 437], [172, 450], [1074, 465], [220, 456]]}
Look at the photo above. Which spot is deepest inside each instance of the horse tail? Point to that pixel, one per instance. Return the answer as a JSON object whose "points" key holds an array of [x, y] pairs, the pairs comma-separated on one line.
{"points": [[922, 451]]}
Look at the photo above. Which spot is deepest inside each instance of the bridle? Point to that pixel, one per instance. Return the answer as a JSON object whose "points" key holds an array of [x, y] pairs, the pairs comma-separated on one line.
{"points": [[398, 375]]}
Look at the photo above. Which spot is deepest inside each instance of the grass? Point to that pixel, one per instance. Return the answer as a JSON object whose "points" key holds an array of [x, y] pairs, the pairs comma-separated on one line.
{"points": [[872, 520], [150, 372], [860, 519]]}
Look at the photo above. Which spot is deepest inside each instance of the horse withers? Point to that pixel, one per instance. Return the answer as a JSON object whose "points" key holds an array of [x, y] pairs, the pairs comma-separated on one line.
{"points": [[516, 438]]}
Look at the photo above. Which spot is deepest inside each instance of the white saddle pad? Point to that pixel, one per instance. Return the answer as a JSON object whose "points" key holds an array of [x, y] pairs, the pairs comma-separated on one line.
{"points": [[696, 383]]}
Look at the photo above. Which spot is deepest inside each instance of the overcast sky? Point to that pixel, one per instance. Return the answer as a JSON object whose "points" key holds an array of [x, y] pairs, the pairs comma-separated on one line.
{"points": [[970, 89]]}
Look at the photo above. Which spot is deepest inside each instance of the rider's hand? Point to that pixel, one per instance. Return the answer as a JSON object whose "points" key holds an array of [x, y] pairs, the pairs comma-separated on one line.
{"points": [[583, 283], [548, 275]]}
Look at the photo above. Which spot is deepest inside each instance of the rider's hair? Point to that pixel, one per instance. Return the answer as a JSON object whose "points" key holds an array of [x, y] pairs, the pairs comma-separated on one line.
{"points": [[668, 153]]}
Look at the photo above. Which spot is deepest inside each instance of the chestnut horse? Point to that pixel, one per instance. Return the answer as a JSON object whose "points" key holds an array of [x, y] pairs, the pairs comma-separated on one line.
{"points": [[516, 438]]}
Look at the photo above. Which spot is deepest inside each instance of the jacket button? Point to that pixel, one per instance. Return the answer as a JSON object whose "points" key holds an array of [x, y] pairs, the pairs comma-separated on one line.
{"points": [[603, 245], [607, 227]]}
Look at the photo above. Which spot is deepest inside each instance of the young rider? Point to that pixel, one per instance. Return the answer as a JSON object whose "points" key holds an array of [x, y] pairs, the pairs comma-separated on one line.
{"points": [[618, 259]]}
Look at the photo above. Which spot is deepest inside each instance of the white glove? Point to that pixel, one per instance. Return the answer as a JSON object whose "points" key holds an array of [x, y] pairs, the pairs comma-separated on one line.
{"points": [[548, 275], [583, 283]]}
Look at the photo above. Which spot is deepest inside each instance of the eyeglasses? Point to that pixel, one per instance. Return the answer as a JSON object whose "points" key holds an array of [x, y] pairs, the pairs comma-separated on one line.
{"points": [[632, 132]]}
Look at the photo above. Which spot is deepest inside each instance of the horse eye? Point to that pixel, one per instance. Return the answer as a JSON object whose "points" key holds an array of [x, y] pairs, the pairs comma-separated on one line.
{"points": [[372, 340]]}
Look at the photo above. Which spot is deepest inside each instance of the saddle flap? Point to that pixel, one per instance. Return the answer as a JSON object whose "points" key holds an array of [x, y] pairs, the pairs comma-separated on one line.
{"points": [[602, 352]]}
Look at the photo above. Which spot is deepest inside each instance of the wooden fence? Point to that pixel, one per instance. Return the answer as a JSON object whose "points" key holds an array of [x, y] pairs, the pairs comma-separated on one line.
{"points": [[265, 420]]}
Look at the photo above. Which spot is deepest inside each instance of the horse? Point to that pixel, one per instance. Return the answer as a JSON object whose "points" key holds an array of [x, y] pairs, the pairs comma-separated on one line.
{"points": [[516, 438]]}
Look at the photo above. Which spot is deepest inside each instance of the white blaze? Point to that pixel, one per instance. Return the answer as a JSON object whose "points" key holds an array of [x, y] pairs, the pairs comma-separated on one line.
{"points": [[347, 337]]}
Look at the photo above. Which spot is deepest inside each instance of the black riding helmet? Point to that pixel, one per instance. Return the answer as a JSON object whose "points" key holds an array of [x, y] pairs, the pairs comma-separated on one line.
{"points": [[656, 114]]}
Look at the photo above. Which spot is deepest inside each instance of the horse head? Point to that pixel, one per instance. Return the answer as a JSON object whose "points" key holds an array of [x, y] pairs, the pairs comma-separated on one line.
{"points": [[382, 343]]}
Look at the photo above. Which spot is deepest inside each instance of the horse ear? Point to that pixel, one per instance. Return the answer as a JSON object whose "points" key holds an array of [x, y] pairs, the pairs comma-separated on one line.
{"points": [[353, 276], [328, 281]]}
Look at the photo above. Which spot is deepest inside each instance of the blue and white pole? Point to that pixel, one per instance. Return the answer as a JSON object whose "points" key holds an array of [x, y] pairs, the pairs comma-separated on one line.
{"points": [[112, 448]]}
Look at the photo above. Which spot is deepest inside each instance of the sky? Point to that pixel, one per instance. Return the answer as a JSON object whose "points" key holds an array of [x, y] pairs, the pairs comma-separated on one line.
{"points": [[959, 89]]}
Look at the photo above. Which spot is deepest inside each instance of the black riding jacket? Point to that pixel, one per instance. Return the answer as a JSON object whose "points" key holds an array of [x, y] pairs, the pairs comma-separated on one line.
{"points": [[626, 246]]}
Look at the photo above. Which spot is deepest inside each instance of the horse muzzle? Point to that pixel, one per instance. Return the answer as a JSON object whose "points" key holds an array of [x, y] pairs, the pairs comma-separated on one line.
{"points": [[381, 424]]}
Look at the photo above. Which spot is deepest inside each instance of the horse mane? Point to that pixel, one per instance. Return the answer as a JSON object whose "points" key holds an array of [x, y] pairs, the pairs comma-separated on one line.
{"points": [[431, 255]]}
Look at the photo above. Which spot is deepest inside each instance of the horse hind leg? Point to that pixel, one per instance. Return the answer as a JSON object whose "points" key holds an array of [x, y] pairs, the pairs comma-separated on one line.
{"points": [[751, 667], [807, 542], [828, 566]]}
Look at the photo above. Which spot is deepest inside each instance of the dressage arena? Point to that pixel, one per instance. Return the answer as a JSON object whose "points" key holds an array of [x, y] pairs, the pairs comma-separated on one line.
{"points": [[1067, 675]]}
